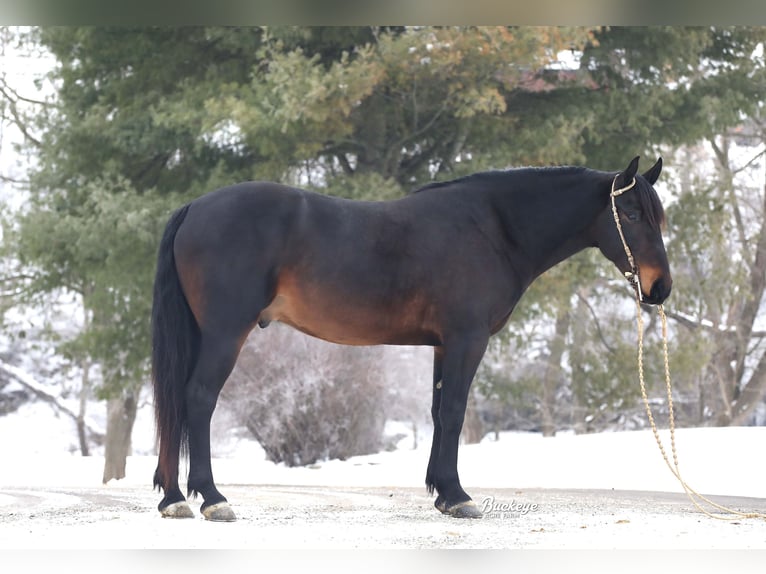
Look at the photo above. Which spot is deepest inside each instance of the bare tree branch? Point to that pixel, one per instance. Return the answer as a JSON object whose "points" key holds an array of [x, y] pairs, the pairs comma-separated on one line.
{"points": [[18, 120], [16, 376], [722, 155], [749, 162], [697, 324], [600, 333]]}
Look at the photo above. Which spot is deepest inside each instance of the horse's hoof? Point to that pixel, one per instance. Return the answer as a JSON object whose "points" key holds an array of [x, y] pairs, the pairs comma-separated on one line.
{"points": [[177, 510], [467, 509], [220, 512]]}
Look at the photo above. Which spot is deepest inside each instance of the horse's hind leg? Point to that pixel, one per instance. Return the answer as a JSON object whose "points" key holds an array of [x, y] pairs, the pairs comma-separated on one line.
{"points": [[173, 504], [218, 354]]}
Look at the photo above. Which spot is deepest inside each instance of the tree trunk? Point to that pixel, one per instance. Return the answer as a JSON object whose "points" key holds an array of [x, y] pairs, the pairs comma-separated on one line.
{"points": [[121, 414], [82, 433], [473, 428], [751, 395], [552, 376], [741, 397]]}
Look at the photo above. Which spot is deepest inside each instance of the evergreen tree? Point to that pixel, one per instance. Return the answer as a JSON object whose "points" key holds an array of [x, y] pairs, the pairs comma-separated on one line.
{"points": [[146, 119]]}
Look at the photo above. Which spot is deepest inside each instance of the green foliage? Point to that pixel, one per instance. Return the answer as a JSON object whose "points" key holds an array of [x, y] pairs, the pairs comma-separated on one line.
{"points": [[365, 186], [148, 118], [673, 85], [402, 103], [132, 101], [705, 251], [101, 249]]}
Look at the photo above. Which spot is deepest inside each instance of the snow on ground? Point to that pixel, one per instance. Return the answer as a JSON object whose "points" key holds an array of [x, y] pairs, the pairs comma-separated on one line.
{"points": [[39, 448], [600, 491]]}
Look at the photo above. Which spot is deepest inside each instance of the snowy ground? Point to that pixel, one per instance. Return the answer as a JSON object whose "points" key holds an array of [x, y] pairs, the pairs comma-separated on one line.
{"points": [[603, 491]]}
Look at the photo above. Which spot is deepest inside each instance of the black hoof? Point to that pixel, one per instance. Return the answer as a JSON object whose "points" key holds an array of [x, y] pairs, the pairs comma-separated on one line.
{"points": [[466, 509]]}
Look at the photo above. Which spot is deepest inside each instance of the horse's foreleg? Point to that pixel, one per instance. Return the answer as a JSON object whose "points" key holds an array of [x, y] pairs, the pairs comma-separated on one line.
{"points": [[437, 395], [461, 358], [216, 361]]}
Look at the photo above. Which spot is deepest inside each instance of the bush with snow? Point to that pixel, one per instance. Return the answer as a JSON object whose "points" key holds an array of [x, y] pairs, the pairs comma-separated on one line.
{"points": [[306, 400]]}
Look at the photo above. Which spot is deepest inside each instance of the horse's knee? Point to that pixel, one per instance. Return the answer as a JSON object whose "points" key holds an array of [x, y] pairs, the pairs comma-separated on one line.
{"points": [[451, 418], [435, 413]]}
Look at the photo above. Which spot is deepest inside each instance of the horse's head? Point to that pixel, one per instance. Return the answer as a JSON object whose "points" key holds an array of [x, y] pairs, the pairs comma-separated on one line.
{"points": [[634, 211]]}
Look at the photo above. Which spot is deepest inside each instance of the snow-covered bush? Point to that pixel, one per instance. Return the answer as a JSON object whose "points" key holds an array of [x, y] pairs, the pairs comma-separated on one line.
{"points": [[307, 400]]}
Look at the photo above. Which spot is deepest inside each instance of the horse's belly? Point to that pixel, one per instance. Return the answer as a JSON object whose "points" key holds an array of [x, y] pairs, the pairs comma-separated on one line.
{"points": [[351, 320]]}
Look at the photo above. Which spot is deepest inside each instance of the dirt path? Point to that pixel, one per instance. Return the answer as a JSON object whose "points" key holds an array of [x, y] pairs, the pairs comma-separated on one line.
{"points": [[302, 517]]}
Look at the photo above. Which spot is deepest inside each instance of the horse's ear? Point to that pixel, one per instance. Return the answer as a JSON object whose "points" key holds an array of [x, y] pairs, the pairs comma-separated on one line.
{"points": [[653, 173], [625, 177]]}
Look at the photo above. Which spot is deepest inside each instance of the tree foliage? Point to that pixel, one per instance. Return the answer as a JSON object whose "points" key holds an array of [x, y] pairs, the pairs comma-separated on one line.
{"points": [[145, 119]]}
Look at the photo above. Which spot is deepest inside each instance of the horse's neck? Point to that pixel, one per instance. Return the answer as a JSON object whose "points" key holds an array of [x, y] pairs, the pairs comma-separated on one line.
{"points": [[554, 221], [564, 250]]}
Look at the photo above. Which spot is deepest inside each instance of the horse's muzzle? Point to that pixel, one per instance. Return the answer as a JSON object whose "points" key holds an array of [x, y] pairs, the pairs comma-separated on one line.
{"points": [[660, 291]]}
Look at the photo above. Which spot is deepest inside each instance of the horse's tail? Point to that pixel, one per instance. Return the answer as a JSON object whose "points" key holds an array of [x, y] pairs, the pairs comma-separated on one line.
{"points": [[175, 345]]}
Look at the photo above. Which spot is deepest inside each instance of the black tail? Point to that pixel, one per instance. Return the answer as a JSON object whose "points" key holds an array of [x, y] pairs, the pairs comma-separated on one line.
{"points": [[175, 344]]}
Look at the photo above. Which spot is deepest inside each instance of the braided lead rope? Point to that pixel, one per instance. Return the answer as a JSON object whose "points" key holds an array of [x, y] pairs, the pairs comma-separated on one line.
{"points": [[690, 492], [634, 279]]}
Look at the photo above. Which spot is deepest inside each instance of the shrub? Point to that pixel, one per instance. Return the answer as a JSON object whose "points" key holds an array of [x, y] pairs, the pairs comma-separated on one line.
{"points": [[305, 399]]}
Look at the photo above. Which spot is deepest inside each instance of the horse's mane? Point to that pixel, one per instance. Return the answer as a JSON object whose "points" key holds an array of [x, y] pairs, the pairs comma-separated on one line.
{"points": [[499, 176], [650, 201]]}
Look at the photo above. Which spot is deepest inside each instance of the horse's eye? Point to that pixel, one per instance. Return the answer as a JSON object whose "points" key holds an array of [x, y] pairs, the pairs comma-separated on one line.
{"points": [[633, 216]]}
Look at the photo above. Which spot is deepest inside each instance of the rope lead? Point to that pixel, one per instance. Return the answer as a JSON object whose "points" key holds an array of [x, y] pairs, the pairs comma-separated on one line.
{"points": [[690, 492], [633, 278]]}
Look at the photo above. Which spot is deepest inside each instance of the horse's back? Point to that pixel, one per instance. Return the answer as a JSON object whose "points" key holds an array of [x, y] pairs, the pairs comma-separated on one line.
{"points": [[351, 272], [242, 205], [327, 266]]}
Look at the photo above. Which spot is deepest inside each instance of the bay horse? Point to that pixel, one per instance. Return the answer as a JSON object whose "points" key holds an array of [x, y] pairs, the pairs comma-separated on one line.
{"points": [[443, 266]]}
